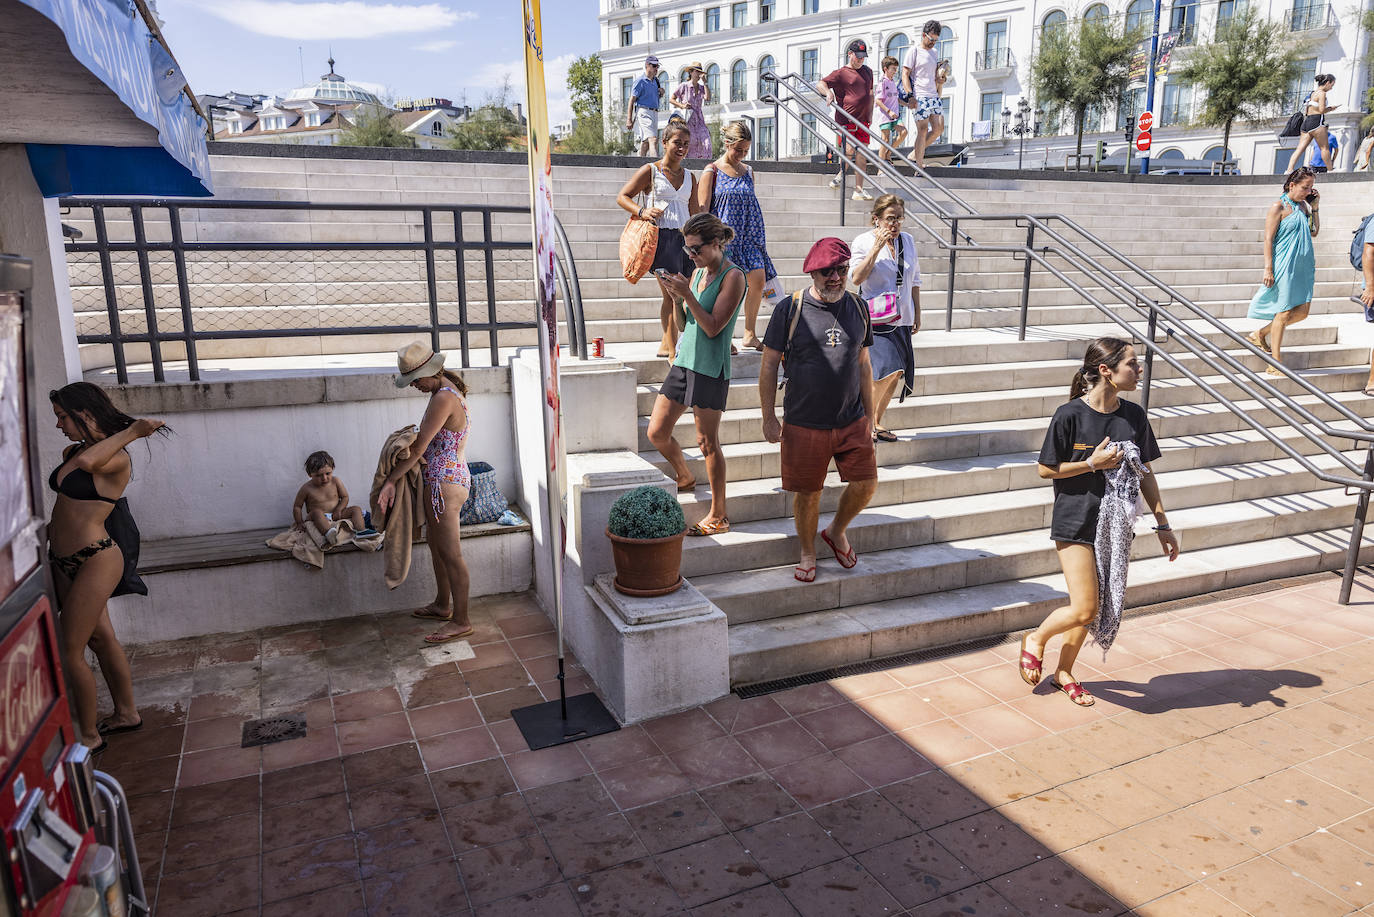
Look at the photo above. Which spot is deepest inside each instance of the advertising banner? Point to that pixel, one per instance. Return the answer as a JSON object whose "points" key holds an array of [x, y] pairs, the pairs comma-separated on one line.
{"points": [[541, 208]]}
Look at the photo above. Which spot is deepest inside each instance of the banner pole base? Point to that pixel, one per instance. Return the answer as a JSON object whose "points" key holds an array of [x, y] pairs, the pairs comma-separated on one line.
{"points": [[568, 719]]}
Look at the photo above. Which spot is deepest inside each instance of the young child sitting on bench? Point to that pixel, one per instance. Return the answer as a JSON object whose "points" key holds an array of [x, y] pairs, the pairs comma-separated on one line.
{"points": [[324, 500]]}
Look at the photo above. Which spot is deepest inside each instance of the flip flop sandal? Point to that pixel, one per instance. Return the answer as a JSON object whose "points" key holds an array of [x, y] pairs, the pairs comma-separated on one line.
{"points": [[804, 574], [1271, 371], [720, 527], [437, 638], [103, 728], [1261, 342], [846, 560], [101, 747], [430, 615], [1368, 393], [1076, 692], [884, 436], [687, 488], [1029, 662]]}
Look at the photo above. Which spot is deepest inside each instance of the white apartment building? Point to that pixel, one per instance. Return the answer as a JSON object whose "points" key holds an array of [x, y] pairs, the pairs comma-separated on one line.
{"points": [[990, 44]]}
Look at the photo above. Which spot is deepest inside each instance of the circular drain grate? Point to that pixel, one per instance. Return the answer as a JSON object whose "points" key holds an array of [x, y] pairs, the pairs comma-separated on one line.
{"points": [[271, 729]]}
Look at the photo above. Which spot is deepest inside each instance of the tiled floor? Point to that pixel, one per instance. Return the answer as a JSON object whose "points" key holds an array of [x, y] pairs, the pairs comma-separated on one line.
{"points": [[1225, 770]]}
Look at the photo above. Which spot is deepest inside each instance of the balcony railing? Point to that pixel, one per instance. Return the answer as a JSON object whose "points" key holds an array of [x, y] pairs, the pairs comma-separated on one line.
{"points": [[1187, 32], [1312, 17], [993, 127], [993, 59], [624, 4]]}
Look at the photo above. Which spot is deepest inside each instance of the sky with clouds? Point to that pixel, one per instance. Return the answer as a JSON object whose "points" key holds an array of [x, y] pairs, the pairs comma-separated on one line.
{"points": [[454, 49]]}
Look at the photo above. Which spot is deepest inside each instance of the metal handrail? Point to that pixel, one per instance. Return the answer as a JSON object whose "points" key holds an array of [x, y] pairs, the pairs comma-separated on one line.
{"points": [[566, 275], [1211, 355]]}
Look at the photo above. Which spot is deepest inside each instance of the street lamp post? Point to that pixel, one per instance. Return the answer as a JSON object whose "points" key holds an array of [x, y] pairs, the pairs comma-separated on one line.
{"points": [[1023, 125]]}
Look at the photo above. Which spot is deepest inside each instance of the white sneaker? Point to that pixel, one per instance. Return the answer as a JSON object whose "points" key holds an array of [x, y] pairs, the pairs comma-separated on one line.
{"points": [[835, 182], [861, 195]]}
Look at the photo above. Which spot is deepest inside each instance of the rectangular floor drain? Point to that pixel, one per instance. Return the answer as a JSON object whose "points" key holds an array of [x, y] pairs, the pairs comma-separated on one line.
{"points": [[271, 729]]}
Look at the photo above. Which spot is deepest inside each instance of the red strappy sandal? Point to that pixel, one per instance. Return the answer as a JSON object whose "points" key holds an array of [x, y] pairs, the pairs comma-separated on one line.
{"points": [[1029, 662], [1076, 692]]}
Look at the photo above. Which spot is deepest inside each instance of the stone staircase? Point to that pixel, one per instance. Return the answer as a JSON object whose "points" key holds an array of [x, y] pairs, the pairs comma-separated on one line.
{"points": [[954, 544]]}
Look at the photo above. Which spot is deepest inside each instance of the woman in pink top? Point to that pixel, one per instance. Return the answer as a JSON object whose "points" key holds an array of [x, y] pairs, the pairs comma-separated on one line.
{"points": [[690, 97]]}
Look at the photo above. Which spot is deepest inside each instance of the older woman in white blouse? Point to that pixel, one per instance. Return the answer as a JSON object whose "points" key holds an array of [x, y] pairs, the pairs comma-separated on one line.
{"points": [[883, 263]]}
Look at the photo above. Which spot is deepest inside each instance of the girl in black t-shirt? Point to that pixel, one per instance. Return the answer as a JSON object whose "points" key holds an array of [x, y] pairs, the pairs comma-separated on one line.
{"points": [[1077, 450]]}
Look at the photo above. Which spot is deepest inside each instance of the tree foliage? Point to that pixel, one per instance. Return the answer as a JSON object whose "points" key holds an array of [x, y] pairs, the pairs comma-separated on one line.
{"points": [[1245, 72], [491, 127], [1083, 65], [1367, 23], [372, 126], [584, 85], [590, 134]]}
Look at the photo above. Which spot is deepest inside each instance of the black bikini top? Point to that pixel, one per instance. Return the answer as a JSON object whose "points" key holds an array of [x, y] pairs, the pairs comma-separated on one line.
{"points": [[79, 484]]}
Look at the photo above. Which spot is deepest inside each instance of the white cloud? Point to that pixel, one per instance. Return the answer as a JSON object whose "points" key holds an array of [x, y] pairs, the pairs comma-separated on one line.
{"points": [[327, 19], [490, 77], [434, 47]]}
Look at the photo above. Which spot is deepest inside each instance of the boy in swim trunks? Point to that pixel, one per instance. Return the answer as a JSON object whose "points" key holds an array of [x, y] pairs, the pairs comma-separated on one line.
{"points": [[324, 500]]}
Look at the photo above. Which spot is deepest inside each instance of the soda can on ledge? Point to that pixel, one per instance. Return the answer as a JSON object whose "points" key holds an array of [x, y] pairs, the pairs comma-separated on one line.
{"points": [[598, 347]]}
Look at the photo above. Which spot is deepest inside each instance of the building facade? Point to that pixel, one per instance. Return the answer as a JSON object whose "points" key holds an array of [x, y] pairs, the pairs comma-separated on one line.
{"points": [[990, 44]]}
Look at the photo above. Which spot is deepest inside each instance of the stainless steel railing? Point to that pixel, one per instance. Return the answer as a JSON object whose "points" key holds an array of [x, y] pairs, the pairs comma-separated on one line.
{"points": [[796, 97]]}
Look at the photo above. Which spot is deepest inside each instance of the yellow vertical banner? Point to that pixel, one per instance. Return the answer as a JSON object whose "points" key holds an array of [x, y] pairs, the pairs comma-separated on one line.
{"points": [[541, 209]]}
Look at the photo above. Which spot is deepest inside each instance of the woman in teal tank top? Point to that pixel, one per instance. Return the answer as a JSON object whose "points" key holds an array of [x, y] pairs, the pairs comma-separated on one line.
{"points": [[1290, 263], [700, 376]]}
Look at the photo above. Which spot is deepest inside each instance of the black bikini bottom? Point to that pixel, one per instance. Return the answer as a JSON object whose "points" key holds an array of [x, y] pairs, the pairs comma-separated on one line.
{"points": [[70, 565]]}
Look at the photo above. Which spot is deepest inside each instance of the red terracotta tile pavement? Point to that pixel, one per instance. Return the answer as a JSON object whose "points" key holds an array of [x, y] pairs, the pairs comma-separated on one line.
{"points": [[1241, 733]]}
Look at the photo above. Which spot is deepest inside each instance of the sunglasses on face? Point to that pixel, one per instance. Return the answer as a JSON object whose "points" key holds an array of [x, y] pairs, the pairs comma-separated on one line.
{"points": [[838, 270], [693, 250]]}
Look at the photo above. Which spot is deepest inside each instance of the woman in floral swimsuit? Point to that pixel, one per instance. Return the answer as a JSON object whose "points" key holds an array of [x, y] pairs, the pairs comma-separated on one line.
{"points": [[441, 441]]}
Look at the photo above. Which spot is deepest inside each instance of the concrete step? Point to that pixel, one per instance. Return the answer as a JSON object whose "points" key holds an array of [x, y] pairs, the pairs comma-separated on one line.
{"points": [[741, 423], [755, 459], [818, 640], [890, 572]]}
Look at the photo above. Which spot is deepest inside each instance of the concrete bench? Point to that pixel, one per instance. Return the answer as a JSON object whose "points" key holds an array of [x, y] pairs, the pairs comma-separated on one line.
{"points": [[231, 581]]}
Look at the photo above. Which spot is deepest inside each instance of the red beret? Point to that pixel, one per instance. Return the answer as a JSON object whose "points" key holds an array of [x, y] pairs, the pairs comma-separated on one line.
{"points": [[827, 252]]}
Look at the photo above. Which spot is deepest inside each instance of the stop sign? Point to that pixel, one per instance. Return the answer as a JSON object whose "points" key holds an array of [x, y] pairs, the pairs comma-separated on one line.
{"points": [[1145, 122], [1142, 143]]}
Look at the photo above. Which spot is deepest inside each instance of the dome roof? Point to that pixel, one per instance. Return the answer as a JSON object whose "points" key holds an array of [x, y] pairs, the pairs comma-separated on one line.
{"points": [[332, 89]]}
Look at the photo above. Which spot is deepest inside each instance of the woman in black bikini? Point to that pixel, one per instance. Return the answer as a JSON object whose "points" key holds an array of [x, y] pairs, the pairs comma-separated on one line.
{"points": [[1314, 119], [93, 549]]}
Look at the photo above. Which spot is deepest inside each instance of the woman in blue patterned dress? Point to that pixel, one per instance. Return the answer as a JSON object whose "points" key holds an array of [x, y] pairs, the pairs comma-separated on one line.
{"points": [[1290, 264], [726, 189]]}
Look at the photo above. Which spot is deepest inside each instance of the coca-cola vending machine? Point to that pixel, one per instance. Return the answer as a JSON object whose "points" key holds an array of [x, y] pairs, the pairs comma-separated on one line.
{"points": [[67, 839]]}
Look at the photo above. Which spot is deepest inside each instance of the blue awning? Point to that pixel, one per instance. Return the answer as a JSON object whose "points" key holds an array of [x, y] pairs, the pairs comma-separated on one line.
{"points": [[111, 40]]}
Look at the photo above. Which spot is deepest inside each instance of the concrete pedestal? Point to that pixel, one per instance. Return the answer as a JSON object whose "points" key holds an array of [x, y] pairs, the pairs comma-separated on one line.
{"points": [[659, 655]]}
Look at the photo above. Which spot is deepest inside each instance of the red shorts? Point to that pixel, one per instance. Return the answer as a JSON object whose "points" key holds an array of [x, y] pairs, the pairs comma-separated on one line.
{"points": [[860, 133], [806, 455]]}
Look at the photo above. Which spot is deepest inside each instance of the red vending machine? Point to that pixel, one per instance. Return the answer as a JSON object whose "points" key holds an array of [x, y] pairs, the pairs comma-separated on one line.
{"points": [[67, 839]]}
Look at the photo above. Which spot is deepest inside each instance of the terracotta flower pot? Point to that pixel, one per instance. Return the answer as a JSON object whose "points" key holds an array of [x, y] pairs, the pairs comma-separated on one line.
{"points": [[647, 567]]}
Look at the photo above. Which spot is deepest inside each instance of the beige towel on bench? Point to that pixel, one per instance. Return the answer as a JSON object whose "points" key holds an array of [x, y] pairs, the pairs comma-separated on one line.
{"points": [[308, 545]]}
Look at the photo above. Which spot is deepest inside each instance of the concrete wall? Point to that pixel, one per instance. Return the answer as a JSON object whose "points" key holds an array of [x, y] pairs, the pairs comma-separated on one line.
{"points": [[236, 460], [31, 228]]}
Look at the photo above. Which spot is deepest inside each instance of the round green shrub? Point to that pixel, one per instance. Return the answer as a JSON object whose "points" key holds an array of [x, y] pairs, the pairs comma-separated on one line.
{"points": [[646, 512]]}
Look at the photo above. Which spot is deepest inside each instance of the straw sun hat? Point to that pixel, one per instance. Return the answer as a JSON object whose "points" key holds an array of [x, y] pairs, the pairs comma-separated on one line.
{"points": [[415, 361]]}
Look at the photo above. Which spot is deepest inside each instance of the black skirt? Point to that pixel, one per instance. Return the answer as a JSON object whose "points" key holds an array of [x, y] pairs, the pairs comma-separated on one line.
{"points": [[694, 389], [891, 353], [669, 254]]}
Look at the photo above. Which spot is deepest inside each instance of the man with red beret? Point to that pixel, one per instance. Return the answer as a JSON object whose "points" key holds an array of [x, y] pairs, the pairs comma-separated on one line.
{"points": [[823, 334], [850, 88]]}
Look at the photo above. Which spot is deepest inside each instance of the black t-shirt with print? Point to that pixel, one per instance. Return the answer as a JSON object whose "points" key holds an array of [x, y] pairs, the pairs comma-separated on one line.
{"points": [[1075, 431], [823, 390]]}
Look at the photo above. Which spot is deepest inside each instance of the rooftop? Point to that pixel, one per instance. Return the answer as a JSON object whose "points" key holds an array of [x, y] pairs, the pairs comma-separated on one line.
{"points": [[332, 87]]}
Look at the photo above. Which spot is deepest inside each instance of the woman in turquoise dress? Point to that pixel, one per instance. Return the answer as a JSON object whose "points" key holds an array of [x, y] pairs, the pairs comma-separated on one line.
{"points": [[1290, 264], [726, 189]]}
